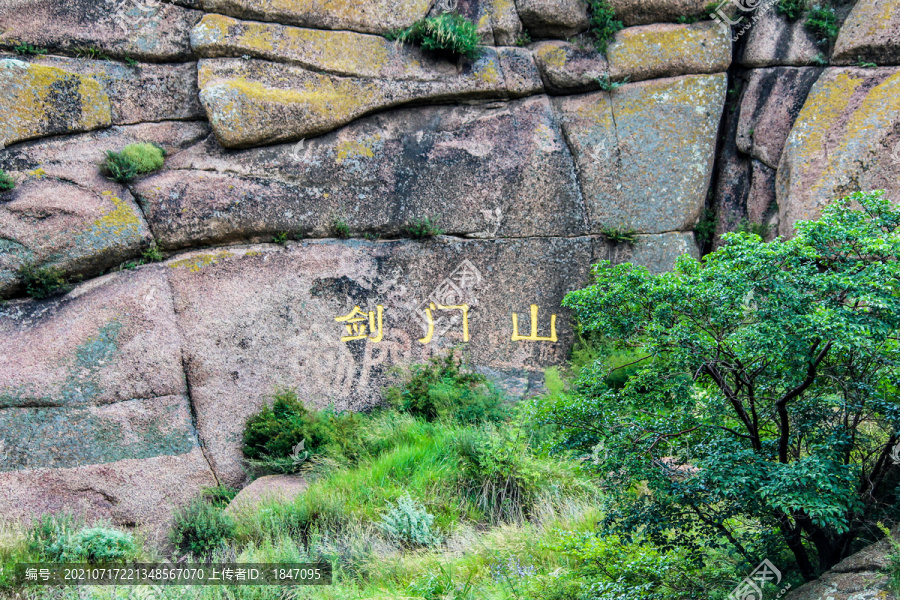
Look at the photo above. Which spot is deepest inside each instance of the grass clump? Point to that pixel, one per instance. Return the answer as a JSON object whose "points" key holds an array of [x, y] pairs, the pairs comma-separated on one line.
{"points": [[43, 282], [604, 24], [133, 160], [91, 52], [448, 33], [790, 9], [420, 229], [441, 389], [6, 181], [57, 538], [201, 528], [25, 49], [340, 228], [822, 22], [619, 235]]}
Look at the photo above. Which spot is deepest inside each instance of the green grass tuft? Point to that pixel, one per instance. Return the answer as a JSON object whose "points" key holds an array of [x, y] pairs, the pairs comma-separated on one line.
{"points": [[133, 160], [420, 229], [448, 33], [6, 181], [822, 22]]}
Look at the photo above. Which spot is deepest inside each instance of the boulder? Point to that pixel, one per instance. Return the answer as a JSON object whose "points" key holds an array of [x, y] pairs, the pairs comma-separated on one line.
{"points": [[645, 12], [770, 104], [252, 102], [657, 252], [553, 18], [151, 31], [256, 318], [569, 68], [37, 101], [871, 33], [772, 40], [845, 586], [644, 152], [377, 16], [731, 189], [500, 170], [145, 92], [271, 488], [846, 139], [504, 21]]}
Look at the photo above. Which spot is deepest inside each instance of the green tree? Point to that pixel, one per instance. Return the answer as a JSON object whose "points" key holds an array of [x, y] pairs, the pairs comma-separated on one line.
{"points": [[764, 411]]}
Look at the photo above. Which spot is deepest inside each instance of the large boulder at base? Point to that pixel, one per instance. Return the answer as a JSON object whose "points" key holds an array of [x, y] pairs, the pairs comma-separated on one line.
{"points": [[37, 101], [644, 152], [772, 40], [252, 102], [871, 33], [846, 139], [377, 16], [271, 488], [770, 104], [653, 51], [142, 93], [553, 18], [261, 317], [64, 213], [501, 170], [152, 31], [645, 12]]}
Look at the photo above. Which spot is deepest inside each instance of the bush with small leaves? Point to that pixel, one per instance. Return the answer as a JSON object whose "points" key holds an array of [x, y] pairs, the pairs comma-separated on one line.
{"points": [[790, 9], [43, 282], [200, 528], [420, 229], [822, 22], [6, 182], [340, 228], [56, 538], [604, 24], [410, 525]]}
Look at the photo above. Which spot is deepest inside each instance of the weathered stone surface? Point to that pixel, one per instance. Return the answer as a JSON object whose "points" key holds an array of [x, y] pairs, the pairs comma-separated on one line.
{"points": [[146, 92], [732, 185], [378, 16], [644, 12], [762, 206], [645, 152], [158, 32], [37, 101], [845, 586], [132, 492], [774, 41], [110, 340], [841, 142], [771, 102], [260, 317], [272, 488], [72, 436], [653, 51], [503, 19], [253, 102], [553, 18], [656, 252], [63, 212], [502, 170], [871, 33], [568, 68]]}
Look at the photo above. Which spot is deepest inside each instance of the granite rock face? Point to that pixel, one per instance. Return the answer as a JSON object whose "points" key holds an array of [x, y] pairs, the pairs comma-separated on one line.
{"points": [[553, 18], [871, 33]]}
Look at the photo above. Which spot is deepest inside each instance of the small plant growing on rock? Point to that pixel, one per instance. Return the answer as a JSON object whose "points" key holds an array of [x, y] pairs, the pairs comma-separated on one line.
{"points": [[604, 24], [420, 229], [448, 33], [410, 525], [6, 182], [200, 528], [608, 85], [790, 9], [43, 282], [220, 495], [822, 22], [340, 228], [133, 160], [28, 50], [523, 39], [280, 238], [619, 235], [91, 52], [152, 254]]}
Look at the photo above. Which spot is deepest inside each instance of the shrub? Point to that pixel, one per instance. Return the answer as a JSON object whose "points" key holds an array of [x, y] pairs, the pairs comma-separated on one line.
{"points": [[340, 228], [448, 33], [409, 524], [619, 235], [56, 538], [200, 528], [6, 181], [220, 496], [28, 50], [790, 9], [822, 22], [604, 24], [705, 229], [440, 389], [133, 160], [43, 282], [152, 254], [271, 435], [423, 228]]}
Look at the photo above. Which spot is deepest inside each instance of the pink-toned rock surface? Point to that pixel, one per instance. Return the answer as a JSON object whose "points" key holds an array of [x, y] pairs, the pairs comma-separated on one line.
{"points": [[644, 152], [139, 493], [775, 41], [259, 317], [846, 139], [644, 12], [272, 488], [553, 18], [871, 33], [157, 31], [567, 68], [771, 102], [501, 170]]}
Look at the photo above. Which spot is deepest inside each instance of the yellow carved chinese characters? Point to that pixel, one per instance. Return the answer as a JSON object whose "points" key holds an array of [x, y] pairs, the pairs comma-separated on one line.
{"points": [[534, 328], [430, 318], [361, 325]]}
